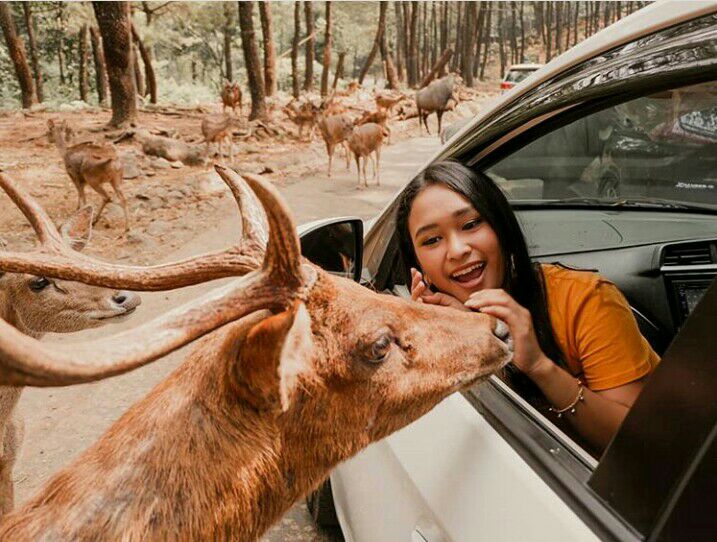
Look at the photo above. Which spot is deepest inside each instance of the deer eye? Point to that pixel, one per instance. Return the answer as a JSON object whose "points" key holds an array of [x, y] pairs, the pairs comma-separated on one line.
{"points": [[38, 283], [380, 349]]}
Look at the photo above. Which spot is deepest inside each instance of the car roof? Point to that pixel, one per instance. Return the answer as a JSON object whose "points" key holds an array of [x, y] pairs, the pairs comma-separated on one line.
{"points": [[645, 21]]}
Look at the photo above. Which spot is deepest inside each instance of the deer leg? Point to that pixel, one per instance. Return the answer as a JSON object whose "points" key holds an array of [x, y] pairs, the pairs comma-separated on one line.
{"points": [[420, 118], [365, 179], [81, 198], [378, 165], [123, 202], [439, 114], [346, 150], [330, 152], [12, 440], [358, 169], [105, 200], [425, 122]]}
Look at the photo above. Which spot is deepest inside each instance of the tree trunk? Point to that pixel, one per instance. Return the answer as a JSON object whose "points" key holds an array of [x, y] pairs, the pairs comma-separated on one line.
{"points": [[413, 46], [84, 57], [424, 34], [576, 24], [455, 63], [61, 41], [558, 27], [476, 28], [251, 60], [327, 53], [513, 33], [146, 54], [269, 53], [400, 42], [138, 76], [309, 69], [295, 86], [548, 31], [522, 32], [380, 30], [434, 34], [114, 24], [17, 53], [501, 41], [228, 32], [101, 82], [37, 71], [488, 38], [437, 67], [339, 73], [391, 75]]}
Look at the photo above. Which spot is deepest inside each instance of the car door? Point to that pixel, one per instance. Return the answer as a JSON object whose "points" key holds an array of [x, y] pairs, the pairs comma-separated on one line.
{"points": [[484, 465]]}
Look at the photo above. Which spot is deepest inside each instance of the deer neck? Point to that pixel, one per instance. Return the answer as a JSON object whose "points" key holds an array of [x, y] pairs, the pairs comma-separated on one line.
{"points": [[11, 316], [188, 458]]}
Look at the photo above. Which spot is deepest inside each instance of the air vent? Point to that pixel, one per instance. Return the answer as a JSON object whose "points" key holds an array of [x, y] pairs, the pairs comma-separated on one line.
{"points": [[692, 254]]}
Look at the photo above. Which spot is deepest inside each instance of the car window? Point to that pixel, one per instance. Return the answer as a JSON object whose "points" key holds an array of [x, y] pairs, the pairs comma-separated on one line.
{"points": [[654, 148], [516, 76]]}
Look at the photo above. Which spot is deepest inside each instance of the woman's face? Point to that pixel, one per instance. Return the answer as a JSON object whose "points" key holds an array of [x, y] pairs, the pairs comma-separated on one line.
{"points": [[457, 249]]}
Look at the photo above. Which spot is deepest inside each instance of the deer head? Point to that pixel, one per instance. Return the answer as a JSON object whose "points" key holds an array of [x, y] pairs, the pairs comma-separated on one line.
{"points": [[317, 369], [59, 133], [38, 304]]}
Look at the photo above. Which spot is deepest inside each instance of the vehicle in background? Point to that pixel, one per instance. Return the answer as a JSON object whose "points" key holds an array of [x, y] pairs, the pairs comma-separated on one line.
{"points": [[516, 73]]}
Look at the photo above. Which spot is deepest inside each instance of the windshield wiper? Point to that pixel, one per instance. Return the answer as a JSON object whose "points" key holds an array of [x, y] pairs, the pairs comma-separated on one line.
{"points": [[624, 203]]}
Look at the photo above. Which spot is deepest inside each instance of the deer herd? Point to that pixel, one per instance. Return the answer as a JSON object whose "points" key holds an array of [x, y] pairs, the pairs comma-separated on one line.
{"points": [[294, 369]]}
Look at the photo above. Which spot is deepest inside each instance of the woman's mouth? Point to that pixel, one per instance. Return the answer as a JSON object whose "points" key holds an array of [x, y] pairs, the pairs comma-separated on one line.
{"points": [[469, 276]]}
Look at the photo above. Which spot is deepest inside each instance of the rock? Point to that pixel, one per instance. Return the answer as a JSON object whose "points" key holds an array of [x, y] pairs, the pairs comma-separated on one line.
{"points": [[210, 183], [157, 228], [130, 167], [161, 163], [177, 164], [113, 214], [140, 238], [175, 194]]}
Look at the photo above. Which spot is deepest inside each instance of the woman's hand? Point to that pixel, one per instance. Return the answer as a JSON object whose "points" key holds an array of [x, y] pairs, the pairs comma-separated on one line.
{"points": [[421, 293], [527, 354]]}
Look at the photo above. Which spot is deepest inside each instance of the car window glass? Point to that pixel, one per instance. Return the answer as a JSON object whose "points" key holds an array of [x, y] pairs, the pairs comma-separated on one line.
{"points": [[654, 148], [516, 76]]}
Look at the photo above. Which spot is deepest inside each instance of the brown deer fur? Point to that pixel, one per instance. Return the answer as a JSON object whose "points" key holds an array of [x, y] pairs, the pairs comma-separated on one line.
{"points": [[93, 164], [365, 142], [231, 97], [59, 307], [262, 409], [335, 130], [218, 129], [380, 117]]}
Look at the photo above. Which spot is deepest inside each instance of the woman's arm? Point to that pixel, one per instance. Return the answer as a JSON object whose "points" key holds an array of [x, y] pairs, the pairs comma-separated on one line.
{"points": [[598, 417]]}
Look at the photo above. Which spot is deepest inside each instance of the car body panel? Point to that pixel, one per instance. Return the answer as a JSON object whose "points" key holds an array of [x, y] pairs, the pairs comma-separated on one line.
{"points": [[432, 470]]}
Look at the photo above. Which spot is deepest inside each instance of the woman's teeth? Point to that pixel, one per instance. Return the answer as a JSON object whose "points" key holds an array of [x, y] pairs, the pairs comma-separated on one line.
{"points": [[469, 273]]}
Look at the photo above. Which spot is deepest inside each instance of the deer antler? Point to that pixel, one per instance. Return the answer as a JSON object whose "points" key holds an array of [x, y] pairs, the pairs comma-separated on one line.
{"points": [[55, 258], [26, 361]]}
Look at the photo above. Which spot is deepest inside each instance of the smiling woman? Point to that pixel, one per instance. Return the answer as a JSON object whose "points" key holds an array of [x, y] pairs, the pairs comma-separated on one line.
{"points": [[464, 249]]}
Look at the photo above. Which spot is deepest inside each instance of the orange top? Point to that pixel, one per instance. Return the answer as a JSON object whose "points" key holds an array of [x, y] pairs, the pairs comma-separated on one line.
{"points": [[595, 329]]}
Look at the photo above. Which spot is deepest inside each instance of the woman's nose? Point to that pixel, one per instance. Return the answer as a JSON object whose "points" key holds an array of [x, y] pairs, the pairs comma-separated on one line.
{"points": [[457, 247]]}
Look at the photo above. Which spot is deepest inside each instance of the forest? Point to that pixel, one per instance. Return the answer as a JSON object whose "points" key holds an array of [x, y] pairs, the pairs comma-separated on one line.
{"points": [[181, 52]]}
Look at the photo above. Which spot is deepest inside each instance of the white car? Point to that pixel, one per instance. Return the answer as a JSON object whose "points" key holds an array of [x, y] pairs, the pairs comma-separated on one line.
{"points": [[517, 73], [485, 464]]}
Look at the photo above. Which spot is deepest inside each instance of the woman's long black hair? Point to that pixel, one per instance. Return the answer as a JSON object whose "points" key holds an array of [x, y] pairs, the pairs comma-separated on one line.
{"points": [[522, 280]]}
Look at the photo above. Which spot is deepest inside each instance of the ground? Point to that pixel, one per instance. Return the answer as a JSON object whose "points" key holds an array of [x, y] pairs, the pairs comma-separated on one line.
{"points": [[175, 213]]}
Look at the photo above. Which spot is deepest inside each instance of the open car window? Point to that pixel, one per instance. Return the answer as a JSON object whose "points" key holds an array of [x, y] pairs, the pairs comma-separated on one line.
{"points": [[655, 149]]}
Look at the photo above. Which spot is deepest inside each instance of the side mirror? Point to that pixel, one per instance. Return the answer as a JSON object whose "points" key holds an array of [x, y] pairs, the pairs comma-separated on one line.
{"points": [[335, 245]]}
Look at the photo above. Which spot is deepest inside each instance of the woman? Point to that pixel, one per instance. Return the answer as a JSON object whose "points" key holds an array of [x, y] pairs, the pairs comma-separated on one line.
{"points": [[574, 335]]}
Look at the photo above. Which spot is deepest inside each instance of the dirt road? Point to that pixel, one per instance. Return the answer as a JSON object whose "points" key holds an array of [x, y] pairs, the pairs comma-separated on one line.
{"points": [[60, 423]]}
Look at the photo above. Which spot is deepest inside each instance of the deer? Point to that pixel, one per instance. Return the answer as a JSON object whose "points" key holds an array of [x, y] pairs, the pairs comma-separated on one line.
{"points": [[435, 97], [305, 115], [218, 129], [231, 97], [36, 305], [388, 101], [93, 164], [335, 130], [365, 142], [297, 370], [380, 117]]}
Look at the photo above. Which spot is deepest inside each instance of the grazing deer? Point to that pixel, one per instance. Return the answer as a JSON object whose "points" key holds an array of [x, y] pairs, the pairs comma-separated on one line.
{"points": [[36, 305], [218, 129], [335, 130], [93, 164], [365, 142], [305, 114], [303, 371], [435, 97], [231, 97], [380, 117]]}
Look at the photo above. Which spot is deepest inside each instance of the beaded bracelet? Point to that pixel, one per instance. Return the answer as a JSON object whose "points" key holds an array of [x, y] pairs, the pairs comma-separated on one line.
{"points": [[571, 407]]}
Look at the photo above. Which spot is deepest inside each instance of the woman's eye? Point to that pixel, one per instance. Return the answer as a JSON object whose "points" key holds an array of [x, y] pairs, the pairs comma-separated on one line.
{"points": [[38, 283], [380, 349], [429, 241], [472, 224]]}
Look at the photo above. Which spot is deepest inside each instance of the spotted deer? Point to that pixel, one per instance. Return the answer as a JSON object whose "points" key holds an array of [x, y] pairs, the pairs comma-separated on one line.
{"points": [[93, 164], [297, 371], [365, 143], [218, 129], [36, 305], [335, 130]]}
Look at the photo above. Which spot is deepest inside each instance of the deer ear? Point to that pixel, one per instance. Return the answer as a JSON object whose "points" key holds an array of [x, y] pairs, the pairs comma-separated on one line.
{"points": [[275, 354], [77, 230]]}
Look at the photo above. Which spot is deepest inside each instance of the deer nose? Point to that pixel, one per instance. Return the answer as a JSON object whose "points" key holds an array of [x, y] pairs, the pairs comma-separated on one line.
{"points": [[126, 300]]}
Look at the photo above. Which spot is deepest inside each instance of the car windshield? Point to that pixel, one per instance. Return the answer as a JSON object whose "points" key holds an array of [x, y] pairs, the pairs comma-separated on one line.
{"points": [[658, 150], [516, 76]]}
